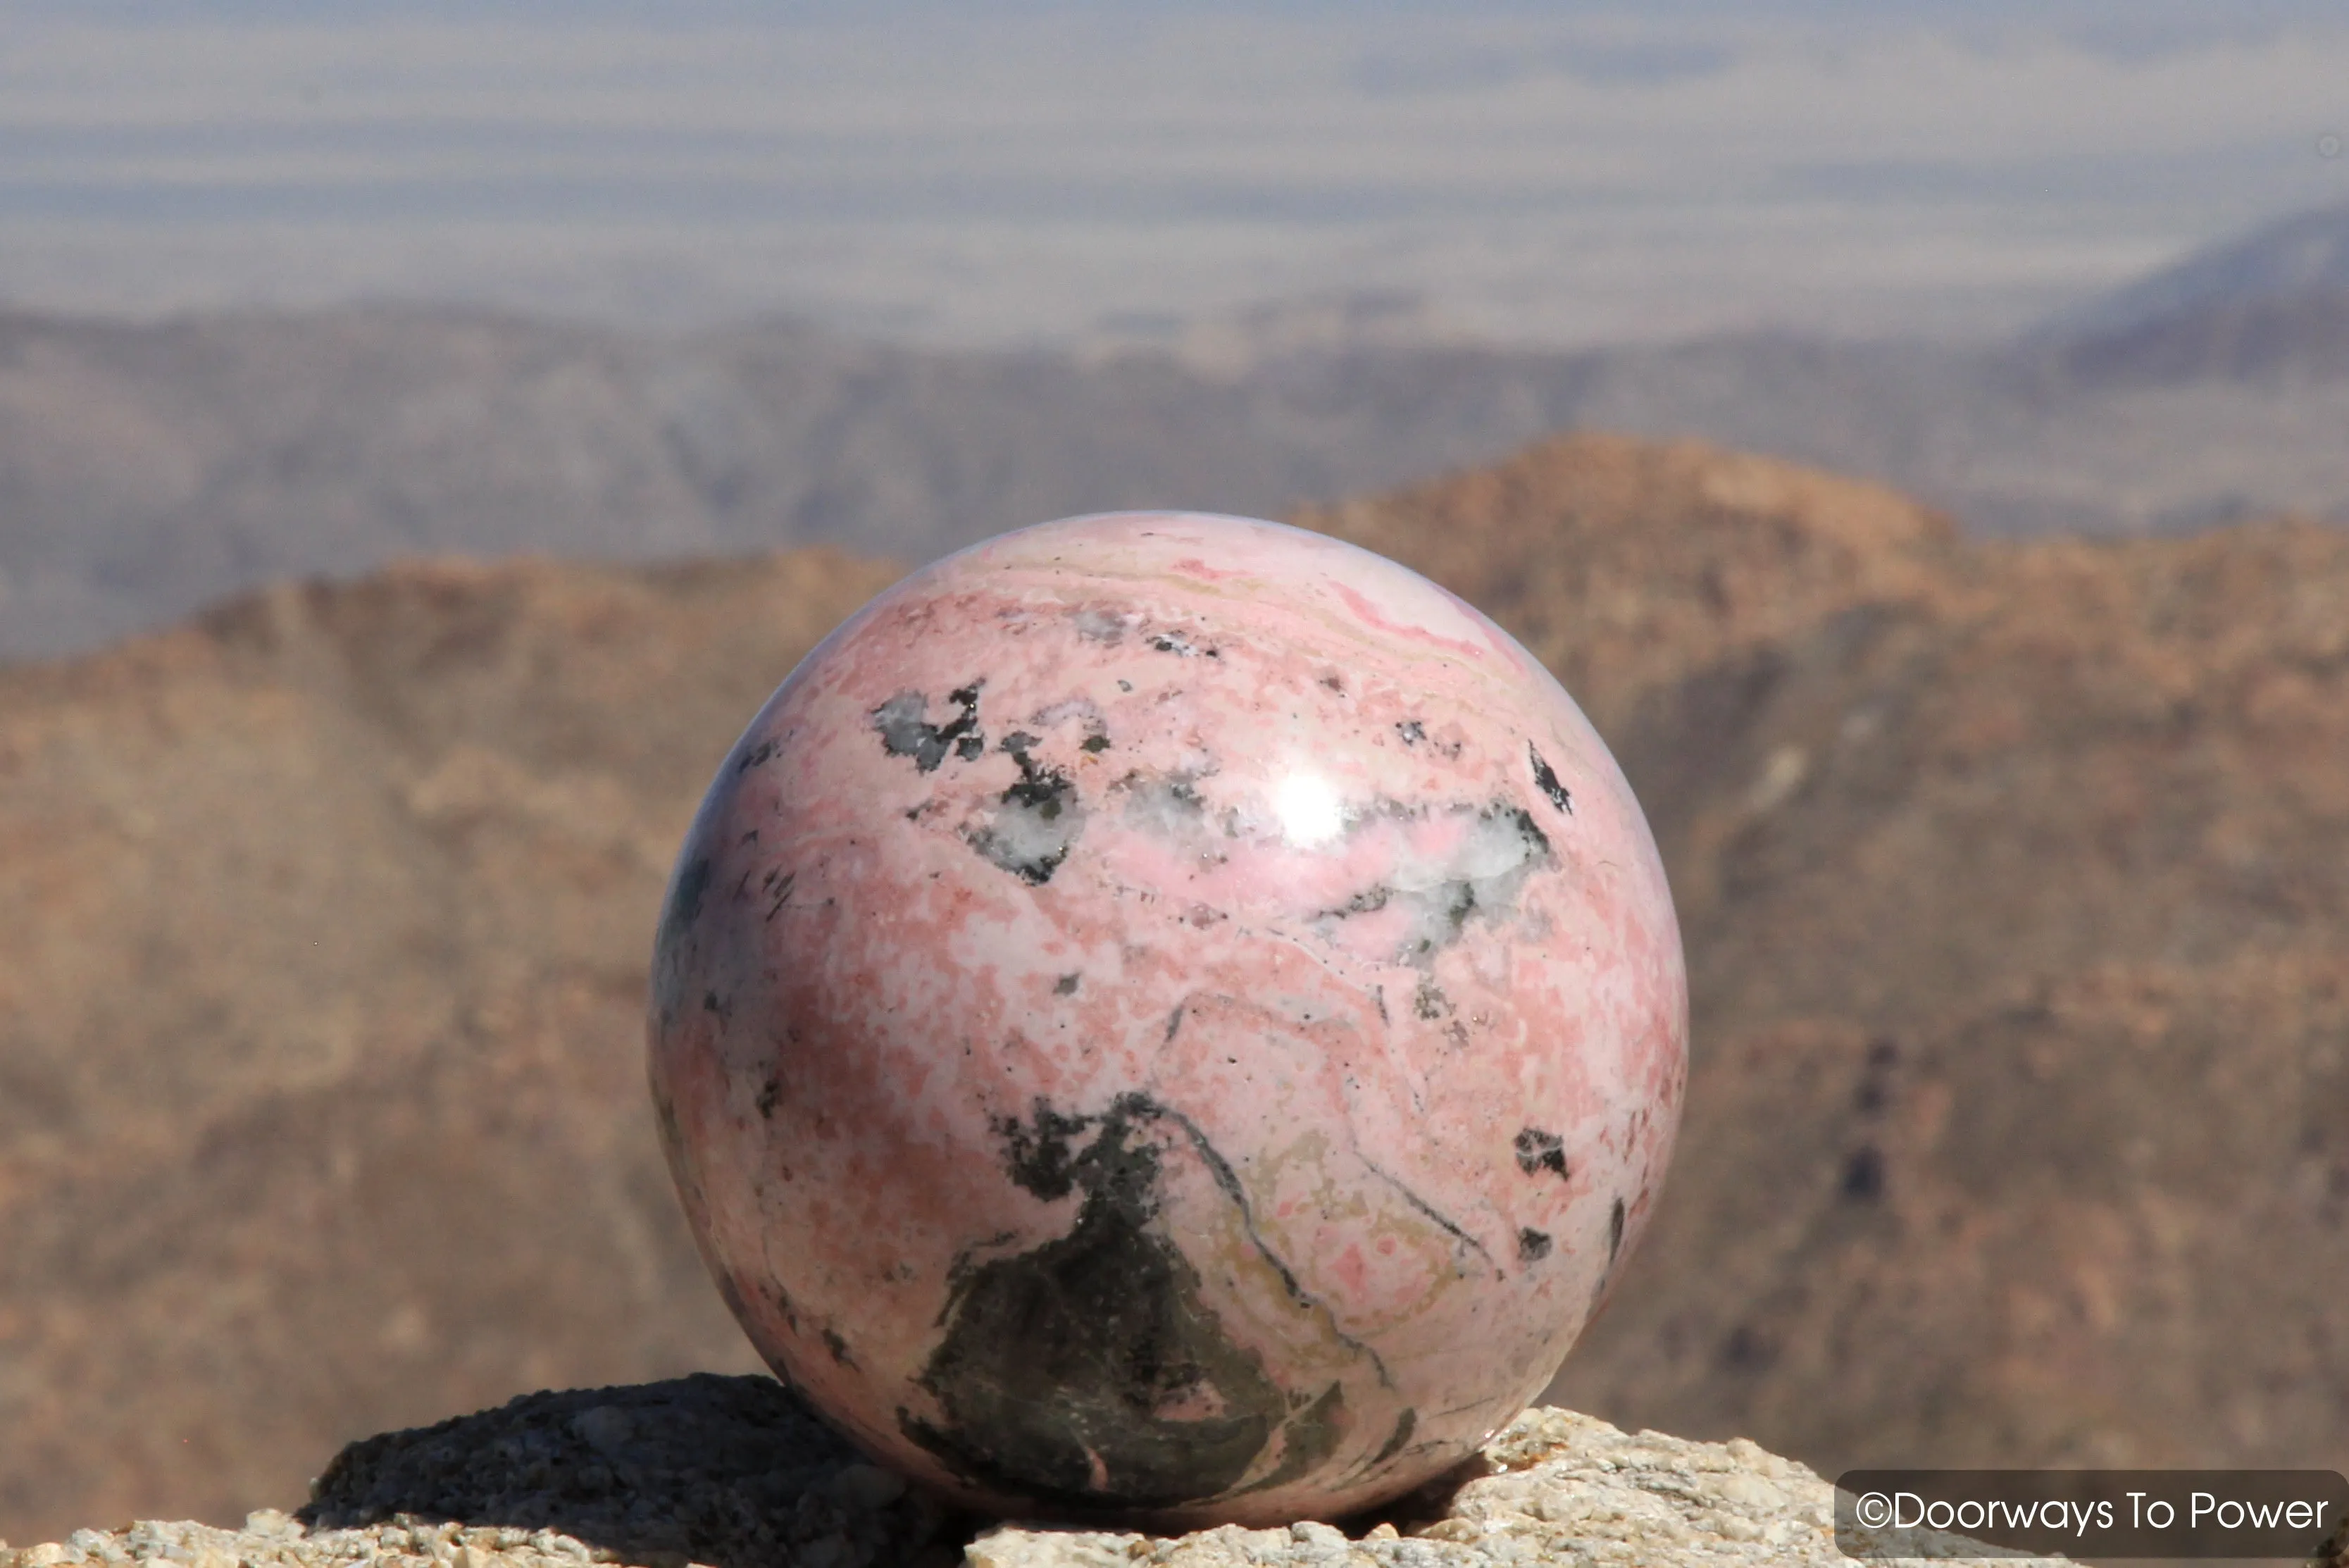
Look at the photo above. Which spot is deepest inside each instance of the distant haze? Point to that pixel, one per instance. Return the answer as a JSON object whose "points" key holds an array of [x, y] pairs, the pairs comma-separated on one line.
{"points": [[1551, 175]]}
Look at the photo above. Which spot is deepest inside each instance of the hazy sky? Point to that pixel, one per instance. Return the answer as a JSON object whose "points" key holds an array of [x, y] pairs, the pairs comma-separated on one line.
{"points": [[1560, 173]]}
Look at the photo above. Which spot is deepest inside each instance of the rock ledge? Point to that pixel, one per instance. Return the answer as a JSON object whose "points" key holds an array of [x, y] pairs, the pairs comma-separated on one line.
{"points": [[734, 1472]]}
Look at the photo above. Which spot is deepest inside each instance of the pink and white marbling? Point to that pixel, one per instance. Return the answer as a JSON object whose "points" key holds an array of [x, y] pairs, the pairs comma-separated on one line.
{"points": [[1168, 1017]]}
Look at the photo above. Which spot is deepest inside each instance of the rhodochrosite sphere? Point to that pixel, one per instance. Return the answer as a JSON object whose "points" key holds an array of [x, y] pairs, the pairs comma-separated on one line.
{"points": [[1168, 1017]]}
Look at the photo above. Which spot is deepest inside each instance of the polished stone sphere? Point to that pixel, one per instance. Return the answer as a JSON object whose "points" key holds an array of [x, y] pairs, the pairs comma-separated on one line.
{"points": [[1170, 1019]]}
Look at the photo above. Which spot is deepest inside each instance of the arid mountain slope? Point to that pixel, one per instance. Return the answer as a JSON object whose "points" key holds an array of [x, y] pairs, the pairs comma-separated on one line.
{"points": [[2015, 884], [1888, 770], [2016, 894], [1627, 566], [2083, 1222], [2013, 879], [325, 926]]}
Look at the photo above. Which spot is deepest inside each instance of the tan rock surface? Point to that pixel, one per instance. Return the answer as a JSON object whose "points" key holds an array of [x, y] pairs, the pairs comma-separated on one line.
{"points": [[736, 1473], [1562, 1490]]}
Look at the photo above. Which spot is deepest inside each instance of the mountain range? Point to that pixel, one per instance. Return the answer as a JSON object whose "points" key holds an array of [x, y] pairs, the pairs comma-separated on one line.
{"points": [[147, 469], [2012, 875]]}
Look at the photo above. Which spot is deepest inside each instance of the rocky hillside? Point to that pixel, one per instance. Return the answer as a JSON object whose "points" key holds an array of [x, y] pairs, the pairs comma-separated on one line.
{"points": [[2015, 881], [323, 935]]}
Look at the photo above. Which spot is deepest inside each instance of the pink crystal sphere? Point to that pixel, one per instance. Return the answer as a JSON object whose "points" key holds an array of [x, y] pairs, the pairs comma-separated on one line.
{"points": [[1168, 1018]]}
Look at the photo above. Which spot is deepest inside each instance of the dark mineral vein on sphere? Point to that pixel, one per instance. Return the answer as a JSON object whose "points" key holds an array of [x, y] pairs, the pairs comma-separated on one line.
{"points": [[1035, 820], [904, 731], [1067, 1354]]}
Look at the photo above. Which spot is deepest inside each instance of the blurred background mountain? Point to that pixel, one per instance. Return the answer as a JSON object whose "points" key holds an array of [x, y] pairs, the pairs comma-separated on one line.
{"points": [[147, 469], [461, 370]]}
